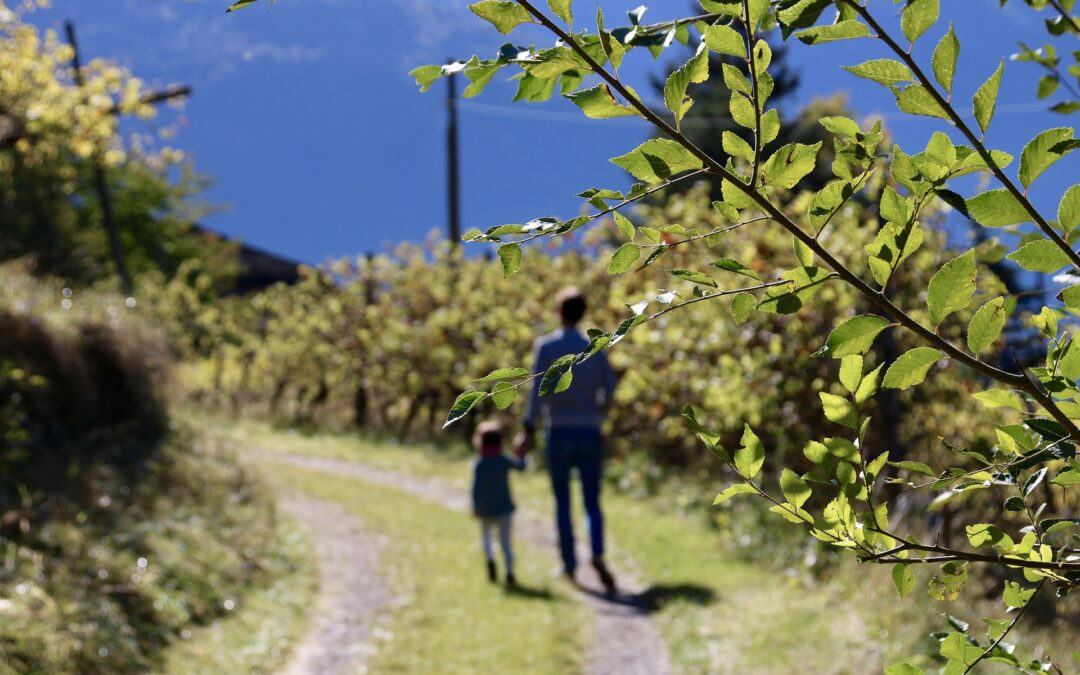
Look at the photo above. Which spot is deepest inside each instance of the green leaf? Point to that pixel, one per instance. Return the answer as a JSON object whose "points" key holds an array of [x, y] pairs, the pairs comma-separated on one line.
{"points": [[904, 669], [894, 208], [851, 370], [503, 395], [790, 298], [882, 71], [868, 386], [903, 579], [742, 111], [985, 98], [854, 336], [841, 126], [741, 306], [732, 491], [729, 265], [504, 15], [503, 374], [1041, 255], [997, 208], [918, 17], [917, 100], [758, 8], [693, 71], [770, 126], [510, 255], [951, 287], [788, 165], [803, 253], [1016, 595], [840, 410], [982, 534], [985, 325], [893, 244], [724, 40], [561, 9], [599, 103], [240, 4], [911, 368], [462, 405], [425, 76], [735, 146], [623, 258], [1071, 297], [1067, 478], [1069, 209], [626, 228], [693, 276], [802, 14], [1042, 152], [944, 59], [558, 375], [795, 489], [479, 76], [958, 649], [749, 457], [842, 30], [916, 467], [657, 160]]}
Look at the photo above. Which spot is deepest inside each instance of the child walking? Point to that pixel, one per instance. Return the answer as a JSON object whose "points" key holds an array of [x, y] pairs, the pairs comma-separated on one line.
{"points": [[492, 503]]}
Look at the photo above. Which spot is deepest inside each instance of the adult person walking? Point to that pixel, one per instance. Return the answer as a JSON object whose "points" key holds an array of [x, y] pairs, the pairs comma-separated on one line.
{"points": [[572, 420]]}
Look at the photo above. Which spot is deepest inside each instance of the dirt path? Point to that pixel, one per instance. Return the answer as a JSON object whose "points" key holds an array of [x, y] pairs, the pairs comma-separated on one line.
{"points": [[626, 640], [351, 591]]}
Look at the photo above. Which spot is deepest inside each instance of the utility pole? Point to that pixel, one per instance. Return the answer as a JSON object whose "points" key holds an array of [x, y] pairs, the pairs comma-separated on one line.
{"points": [[453, 197], [101, 185]]}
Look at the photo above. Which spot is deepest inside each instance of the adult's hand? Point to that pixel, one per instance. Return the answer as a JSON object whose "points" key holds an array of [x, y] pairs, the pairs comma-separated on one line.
{"points": [[524, 443]]}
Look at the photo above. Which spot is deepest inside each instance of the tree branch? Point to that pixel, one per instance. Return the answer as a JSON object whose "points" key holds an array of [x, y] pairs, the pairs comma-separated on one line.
{"points": [[752, 69], [1066, 16]]}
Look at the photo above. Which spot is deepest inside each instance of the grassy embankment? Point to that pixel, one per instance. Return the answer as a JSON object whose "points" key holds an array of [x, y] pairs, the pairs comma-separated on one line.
{"points": [[122, 537]]}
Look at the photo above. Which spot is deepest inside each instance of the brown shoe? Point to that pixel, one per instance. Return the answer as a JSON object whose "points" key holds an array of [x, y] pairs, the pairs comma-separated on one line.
{"points": [[605, 575]]}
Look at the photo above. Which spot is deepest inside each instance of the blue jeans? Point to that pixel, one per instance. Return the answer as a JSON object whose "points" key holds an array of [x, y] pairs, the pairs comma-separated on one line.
{"points": [[581, 449]]}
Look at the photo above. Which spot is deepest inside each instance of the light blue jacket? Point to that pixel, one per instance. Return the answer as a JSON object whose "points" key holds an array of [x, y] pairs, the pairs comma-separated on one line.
{"points": [[583, 404]]}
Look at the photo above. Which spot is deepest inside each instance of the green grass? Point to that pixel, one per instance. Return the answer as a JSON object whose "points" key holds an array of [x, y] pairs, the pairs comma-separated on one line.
{"points": [[447, 617], [256, 634]]}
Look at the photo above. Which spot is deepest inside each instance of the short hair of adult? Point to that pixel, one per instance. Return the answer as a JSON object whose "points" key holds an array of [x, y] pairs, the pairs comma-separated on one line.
{"points": [[572, 305]]}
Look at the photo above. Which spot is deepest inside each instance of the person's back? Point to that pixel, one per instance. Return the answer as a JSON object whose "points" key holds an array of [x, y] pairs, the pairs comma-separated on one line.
{"points": [[573, 420], [584, 403], [491, 486]]}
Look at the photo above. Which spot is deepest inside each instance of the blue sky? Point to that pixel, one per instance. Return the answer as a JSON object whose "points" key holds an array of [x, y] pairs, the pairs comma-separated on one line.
{"points": [[321, 146]]}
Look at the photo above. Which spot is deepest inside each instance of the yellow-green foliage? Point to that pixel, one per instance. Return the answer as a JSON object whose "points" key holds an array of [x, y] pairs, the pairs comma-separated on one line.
{"points": [[436, 321]]}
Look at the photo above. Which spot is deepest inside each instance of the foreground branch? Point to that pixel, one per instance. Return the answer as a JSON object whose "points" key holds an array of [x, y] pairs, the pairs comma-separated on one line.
{"points": [[877, 299]]}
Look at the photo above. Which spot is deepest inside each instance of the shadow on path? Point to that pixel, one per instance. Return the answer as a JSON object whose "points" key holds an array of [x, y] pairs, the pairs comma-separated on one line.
{"points": [[654, 597], [520, 591]]}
